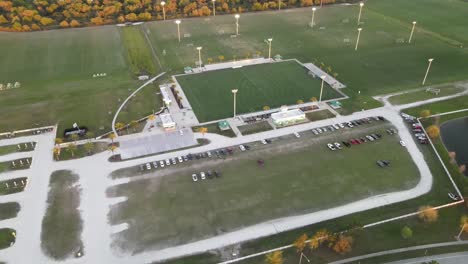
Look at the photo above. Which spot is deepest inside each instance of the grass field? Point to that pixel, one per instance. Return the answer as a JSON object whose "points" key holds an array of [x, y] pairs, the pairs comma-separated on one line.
{"points": [[255, 128], [423, 95], [381, 65], [81, 151], [138, 51], [270, 84], [6, 237], [9, 210], [248, 196], [55, 70], [319, 115], [62, 224]]}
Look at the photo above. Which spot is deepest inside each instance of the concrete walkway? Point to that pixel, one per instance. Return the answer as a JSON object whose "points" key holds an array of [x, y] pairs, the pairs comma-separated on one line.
{"points": [[451, 258]]}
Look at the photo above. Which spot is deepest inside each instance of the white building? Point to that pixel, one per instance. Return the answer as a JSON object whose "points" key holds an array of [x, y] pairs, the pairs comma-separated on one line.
{"points": [[167, 121], [165, 95], [287, 117]]}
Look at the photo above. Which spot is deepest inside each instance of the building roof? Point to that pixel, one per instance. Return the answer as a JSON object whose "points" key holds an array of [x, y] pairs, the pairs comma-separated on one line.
{"points": [[223, 125], [165, 94], [167, 120], [286, 114]]}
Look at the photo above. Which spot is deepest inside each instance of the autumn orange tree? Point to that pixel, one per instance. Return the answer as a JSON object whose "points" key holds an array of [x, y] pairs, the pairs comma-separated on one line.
{"points": [[425, 113], [321, 237], [428, 214], [300, 243], [275, 257], [343, 244], [433, 131]]}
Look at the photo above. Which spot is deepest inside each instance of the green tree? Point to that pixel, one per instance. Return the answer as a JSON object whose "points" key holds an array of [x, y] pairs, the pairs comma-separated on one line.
{"points": [[89, 146], [425, 113], [74, 137], [71, 147], [406, 232]]}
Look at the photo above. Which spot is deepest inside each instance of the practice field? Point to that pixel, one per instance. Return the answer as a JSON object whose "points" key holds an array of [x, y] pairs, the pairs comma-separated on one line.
{"points": [[383, 63], [55, 69], [269, 84], [300, 176]]}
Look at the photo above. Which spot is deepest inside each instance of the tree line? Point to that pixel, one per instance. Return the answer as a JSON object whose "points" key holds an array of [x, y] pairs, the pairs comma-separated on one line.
{"points": [[33, 15]]}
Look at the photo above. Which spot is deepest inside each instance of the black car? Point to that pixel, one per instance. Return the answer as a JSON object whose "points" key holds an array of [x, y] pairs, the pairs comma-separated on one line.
{"points": [[217, 174], [247, 147], [209, 174], [381, 118], [268, 141], [346, 144]]}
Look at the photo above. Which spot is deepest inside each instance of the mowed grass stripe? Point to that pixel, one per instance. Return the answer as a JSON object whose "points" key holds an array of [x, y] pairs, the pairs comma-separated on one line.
{"points": [[272, 84], [138, 52]]}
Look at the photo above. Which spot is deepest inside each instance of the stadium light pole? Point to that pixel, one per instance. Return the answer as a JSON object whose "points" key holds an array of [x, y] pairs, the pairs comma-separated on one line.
{"points": [[199, 56], [178, 28], [237, 24], [313, 15], [269, 48], [360, 12], [358, 35], [412, 31], [234, 92], [321, 87], [164, 10], [427, 71], [214, 8], [279, 4]]}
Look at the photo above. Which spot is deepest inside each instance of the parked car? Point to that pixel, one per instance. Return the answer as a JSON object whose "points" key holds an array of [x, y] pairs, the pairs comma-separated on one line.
{"points": [[319, 130], [402, 143], [297, 135], [247, 147], [314, 131], [194, 177], [180, 159], [268, 141], [346, 144], [209, 174], [370, 138], [350, 125], [161, 164], [264, 142], [241, 147], [330, 146], [337, 145], [174, 161], [336, 126], [341, 125], [155, 164], [168, 162], [324, 129], [185, 158], [148, 166], [217, 174], [209, 154], [202, 175]]}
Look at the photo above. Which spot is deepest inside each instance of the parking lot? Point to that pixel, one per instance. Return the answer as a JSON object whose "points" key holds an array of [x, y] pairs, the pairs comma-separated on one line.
{"points": [[246, 191]]}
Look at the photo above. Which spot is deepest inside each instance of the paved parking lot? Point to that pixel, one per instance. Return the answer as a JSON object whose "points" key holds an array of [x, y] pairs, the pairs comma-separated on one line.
{"points": [[157, 143]]}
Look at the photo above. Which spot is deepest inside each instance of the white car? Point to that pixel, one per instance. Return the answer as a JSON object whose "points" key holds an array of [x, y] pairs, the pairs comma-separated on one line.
{"points": [[350, 125], [336, 126], [202, 175], [209, 154], [148, 166], [297, 135], [180, 159], [174, 161], [264, 142], [319, 131], [242, 148], [181, 132], [324, 129], [402, 143], [341, 125], [331, 147], [161, 164], [337, 145], [168, 162], [194, 177]]}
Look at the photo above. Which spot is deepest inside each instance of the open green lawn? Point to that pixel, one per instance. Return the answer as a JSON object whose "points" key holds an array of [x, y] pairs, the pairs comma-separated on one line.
{"points": [[9, 210], [424, 95], [7, 237], [441, 107], [181, 211], [381, 65], [319, 115], [255, 128], [138, 52], [62, 224], [81, 151], [271, 84], [55, 70]]}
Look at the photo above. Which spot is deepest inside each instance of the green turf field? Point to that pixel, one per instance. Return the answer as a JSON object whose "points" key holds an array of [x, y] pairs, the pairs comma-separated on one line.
{"points": [[270, 84], [381, 65], [247, 193], [55, 70]]}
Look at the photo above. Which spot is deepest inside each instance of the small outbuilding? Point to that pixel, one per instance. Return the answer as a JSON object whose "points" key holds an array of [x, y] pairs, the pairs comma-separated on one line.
{"points": [[287, 117], [167, 121]]}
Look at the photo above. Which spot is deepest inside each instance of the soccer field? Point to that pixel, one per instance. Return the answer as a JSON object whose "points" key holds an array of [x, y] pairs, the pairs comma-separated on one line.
{"points": [[270, 84], [300, 176]]}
